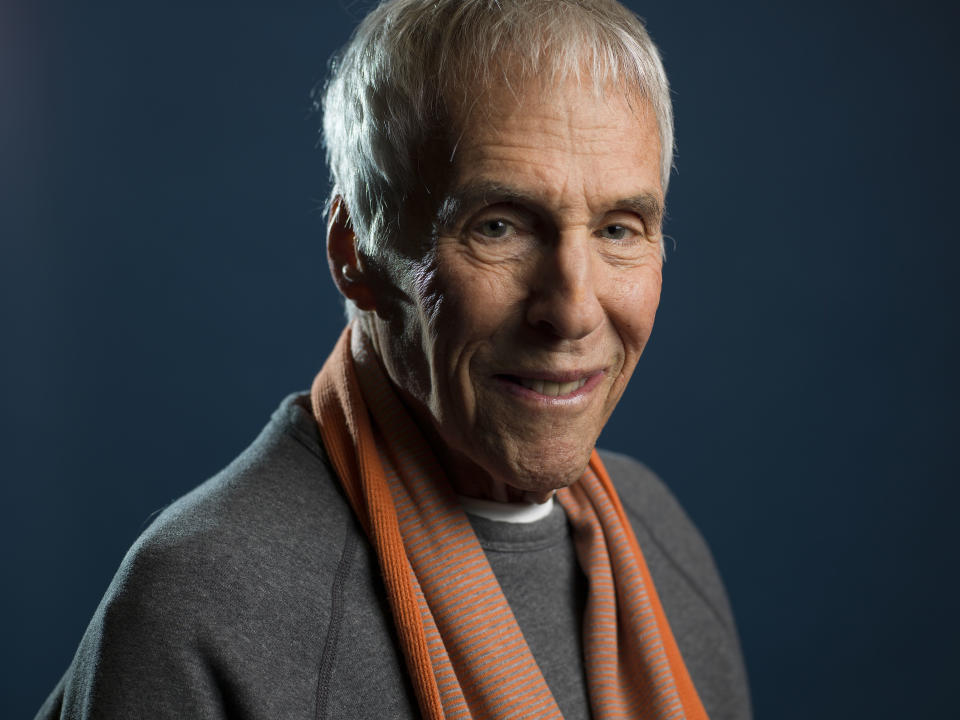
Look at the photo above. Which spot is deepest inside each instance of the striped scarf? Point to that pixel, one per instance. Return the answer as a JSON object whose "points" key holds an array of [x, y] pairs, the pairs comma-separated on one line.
{"points": [[464, 651]]}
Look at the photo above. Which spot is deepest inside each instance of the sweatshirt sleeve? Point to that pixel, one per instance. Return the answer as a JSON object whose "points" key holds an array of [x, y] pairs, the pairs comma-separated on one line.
{"points": [[147, 651], [222, 607]]}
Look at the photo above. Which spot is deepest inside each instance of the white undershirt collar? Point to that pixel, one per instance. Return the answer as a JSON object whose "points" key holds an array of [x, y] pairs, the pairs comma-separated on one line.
{"points": [[506, 512]]}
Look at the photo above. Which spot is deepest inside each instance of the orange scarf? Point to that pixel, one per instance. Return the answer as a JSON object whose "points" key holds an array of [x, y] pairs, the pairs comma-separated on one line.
{"points": [[465, 653]]}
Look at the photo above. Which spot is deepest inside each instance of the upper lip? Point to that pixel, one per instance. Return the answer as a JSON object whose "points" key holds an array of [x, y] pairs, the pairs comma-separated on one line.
{"points": [[555, 376]]}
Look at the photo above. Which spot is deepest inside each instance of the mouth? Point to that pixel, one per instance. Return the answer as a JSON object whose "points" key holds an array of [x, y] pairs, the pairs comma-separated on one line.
{"points": [[550, 389], [561, 385]]}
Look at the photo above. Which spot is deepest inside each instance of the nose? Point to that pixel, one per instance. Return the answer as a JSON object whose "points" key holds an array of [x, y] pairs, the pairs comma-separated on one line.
{"points": [[564, 298]]}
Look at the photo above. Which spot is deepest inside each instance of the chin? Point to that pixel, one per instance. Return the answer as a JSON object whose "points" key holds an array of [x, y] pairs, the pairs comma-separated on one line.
{"points": [[541, 473]]}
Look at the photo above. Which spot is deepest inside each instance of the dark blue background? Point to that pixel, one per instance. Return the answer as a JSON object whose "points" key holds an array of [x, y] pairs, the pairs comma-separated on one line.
{"points": [[164, 285]]}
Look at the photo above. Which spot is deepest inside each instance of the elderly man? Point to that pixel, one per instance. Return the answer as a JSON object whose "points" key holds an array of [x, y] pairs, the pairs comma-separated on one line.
{"points": [[430, 531]]}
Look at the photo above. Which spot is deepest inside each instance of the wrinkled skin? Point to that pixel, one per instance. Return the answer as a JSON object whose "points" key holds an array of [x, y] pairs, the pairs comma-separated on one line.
{"points": [[545, 266]]}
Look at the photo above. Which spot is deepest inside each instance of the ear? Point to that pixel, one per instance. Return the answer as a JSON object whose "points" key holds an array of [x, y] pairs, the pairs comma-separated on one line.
{"points": [[346, 265]]}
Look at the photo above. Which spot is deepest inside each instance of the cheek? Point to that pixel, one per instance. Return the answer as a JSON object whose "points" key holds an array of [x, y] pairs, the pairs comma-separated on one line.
{"points": [[636, 309], [473, 300]]}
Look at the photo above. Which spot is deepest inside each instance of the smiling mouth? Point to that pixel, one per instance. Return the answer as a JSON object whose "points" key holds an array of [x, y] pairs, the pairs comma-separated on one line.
{"points": [[548, 387]]}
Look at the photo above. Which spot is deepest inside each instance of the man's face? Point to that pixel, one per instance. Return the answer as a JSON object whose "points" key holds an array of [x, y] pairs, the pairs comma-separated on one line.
{"points": [[515, 337]]}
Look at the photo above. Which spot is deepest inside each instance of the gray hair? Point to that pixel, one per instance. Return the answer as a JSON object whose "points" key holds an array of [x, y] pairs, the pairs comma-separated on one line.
{"points": [[410, 64]]}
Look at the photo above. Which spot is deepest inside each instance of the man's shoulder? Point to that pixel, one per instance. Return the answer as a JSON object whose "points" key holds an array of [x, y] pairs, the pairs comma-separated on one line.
{"points": [[274, 514], [277, 502], [230, 584], [688, 583], [649, 501], [665, 532], [641, 491]]}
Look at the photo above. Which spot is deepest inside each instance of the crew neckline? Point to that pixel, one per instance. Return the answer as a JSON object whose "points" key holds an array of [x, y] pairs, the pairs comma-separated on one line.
{"points": [[521, 513], [296, 416]]}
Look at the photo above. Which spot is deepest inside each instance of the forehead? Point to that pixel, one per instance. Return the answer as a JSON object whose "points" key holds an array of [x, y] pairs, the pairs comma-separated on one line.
{"points": [[557, 141]]}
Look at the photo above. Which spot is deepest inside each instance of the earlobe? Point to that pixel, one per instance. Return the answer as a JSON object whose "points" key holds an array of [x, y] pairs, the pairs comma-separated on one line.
{"points": [[345, 259]]}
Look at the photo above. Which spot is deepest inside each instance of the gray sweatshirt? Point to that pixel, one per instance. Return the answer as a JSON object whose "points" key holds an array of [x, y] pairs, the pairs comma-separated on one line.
{"points": [[258, 596]]}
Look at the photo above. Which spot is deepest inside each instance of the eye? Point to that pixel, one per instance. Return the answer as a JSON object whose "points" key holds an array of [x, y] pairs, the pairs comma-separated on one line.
{"points": [[614, 232], [618, 233], [495, 228]]}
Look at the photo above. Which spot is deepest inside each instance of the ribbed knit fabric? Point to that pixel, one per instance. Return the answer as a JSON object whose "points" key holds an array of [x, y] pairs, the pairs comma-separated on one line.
{"points": [[466, 656]]}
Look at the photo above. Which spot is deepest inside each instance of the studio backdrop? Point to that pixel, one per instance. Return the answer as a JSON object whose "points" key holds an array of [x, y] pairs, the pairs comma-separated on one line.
{"points": [[164, 285]]}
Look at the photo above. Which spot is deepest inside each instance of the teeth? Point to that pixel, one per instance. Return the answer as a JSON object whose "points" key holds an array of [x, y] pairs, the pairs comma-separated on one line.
{"points": [[552, 389]]}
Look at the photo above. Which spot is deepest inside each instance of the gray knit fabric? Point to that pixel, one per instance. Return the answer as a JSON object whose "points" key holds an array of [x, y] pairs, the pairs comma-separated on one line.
{"points": [[257, 596], [536, 566]]}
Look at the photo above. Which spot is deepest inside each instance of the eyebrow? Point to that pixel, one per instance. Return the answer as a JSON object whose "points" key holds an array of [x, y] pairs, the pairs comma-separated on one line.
{"points": [[646, 205], [480, 194]]}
